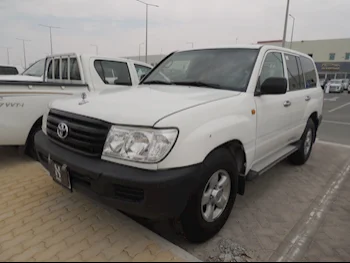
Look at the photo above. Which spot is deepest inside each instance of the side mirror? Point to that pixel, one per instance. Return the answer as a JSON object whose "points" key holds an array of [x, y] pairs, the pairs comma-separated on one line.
{"points": [[274, 86]]}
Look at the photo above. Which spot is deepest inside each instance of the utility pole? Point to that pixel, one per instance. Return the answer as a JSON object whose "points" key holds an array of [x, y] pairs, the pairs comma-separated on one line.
{"points": [[96, 46], [146, 51], [8, 54], [50, 27], [192, 43], [291, 38], [285, 25], [24, 50]]}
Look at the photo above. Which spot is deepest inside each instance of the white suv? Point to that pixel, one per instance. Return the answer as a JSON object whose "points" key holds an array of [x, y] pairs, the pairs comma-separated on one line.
{"points": [[182, 143]]}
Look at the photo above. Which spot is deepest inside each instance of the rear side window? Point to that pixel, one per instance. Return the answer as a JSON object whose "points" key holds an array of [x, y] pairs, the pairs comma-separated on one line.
{"points": [[4, 70], [49, 70], [74, 69], [57, 69], [309, 72], [295, 76], [141, 70], [113, 72], [64, 68]]}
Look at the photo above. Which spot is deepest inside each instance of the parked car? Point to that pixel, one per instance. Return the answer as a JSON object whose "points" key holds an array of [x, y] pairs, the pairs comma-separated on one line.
{"points": [[10, 70], [24, 100], [345, 83], [183, 145], [336, 85]]}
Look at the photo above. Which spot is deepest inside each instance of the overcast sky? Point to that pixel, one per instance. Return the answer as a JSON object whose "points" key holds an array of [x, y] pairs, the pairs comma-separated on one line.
{"points": [[118, 26]]}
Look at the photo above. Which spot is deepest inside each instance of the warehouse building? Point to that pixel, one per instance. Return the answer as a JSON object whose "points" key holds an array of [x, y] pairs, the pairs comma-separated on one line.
{"points": [[332, 56]]}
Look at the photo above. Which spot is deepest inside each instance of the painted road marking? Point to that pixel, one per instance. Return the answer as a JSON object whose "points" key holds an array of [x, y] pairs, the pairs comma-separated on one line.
{"points": [[337, 108], [331, 99], [297, 242], [337, 122], [333, 144]]}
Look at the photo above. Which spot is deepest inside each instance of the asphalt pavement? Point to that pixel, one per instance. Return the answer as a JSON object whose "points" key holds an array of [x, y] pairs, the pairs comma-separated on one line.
{"points": [[335, 126]]}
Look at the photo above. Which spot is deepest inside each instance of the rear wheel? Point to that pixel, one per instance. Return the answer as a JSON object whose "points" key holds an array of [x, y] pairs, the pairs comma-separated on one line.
{"points": [[208, 209], [302, 155]]}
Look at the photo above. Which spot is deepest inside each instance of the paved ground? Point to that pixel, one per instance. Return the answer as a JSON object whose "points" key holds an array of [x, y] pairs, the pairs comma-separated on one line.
{"points": [[336, 115], [289, 213], [40, 221]]}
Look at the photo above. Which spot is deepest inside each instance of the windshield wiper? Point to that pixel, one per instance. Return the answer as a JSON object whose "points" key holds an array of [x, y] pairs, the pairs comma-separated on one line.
{"points": [[160, 82], [199, 84]]}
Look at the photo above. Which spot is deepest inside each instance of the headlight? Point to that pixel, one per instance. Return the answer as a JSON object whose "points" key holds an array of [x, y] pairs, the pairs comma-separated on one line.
{"points": [[139, 144]]}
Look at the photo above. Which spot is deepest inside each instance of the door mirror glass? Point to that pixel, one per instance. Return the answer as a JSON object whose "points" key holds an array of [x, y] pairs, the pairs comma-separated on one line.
{"points": [[273, 86]]}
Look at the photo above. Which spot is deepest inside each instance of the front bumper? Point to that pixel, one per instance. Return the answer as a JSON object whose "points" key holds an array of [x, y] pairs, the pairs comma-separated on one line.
{"points": [[157, 194]]}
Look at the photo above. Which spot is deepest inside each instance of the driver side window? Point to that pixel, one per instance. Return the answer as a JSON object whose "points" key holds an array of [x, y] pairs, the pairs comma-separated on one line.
{"points": [[272, 67]]}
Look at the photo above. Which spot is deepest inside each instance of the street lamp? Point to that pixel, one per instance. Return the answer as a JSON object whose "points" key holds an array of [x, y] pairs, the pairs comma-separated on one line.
{"points": [[24, 50], [8, 54], [96, 46], [50, 27], [285, 25], [146, 24], [140, 50], [291, 38], [191, 44]]}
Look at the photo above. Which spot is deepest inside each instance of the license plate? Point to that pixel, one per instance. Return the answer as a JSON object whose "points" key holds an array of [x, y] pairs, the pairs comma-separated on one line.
{"points": [[60, 174]]}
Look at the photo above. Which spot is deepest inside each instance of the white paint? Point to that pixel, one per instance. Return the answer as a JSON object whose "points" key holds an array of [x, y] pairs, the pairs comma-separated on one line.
{"points": [[337, 122], [294, 250], [331, 99], [337, 108]]}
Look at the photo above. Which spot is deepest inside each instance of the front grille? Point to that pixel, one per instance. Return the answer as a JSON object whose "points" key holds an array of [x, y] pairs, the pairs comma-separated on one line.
{"points": [[85, 135], [128, 193]]}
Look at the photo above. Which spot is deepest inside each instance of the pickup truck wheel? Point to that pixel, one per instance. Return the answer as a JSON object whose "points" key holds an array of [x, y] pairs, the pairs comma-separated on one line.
{"points": [[302, 155], [30, 146], [208, 209]]}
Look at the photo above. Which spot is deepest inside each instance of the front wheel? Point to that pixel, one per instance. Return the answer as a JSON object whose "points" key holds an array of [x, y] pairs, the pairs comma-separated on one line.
{"points": [[30, 145], [307, 140], [209, 208]]}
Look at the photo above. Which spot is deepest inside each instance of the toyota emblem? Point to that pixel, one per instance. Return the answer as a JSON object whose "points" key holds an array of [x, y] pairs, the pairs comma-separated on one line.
{"points": [[62, 130]]}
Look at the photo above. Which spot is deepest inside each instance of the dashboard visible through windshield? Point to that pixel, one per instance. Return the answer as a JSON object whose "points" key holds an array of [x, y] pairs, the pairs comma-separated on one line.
{"points": [[228, 69]]}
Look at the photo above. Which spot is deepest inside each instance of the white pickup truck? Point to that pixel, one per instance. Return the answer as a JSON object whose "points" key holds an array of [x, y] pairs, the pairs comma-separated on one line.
{"points": [[184, 142], [25, 98]]}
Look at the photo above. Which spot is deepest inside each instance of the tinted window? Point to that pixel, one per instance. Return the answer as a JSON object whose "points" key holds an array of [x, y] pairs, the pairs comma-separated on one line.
{"points": [[57, 69], [331, 56], [272, 67], [309, 72], [294, 77], [64, 68], [49, 70], [74, 69], [141, 70], [228, 69], [4, 70], [36, 70], [347, 56], [113, 72], [301, 75]]}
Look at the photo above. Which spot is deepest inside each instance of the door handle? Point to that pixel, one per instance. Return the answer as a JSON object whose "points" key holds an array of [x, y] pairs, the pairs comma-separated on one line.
{"points": [[287, 103], [307, 98]]}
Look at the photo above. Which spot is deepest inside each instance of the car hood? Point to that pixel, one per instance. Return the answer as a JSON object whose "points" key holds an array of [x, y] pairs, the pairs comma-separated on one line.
{"points": [[143, 105], [20, 78]]}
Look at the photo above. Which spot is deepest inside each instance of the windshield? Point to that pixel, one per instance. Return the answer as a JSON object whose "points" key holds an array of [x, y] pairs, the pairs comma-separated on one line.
{"points": [[336, 81], [36, 70], [228, 69]]}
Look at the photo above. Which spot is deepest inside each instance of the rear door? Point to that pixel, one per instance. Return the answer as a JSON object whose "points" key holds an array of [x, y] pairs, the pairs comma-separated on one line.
{"points": [[297, 97], [272, 114]]}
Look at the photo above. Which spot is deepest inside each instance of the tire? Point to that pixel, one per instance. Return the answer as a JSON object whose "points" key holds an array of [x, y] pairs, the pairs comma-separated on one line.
{"points": [[30, 145], [197, 228], [302, 155]]}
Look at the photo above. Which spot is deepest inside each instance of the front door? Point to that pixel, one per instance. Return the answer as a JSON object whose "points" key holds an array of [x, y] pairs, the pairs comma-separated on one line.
{"points": [[273, 111]]}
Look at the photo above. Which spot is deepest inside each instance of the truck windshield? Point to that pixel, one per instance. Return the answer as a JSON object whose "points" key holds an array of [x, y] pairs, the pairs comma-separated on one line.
{"points": [[36, 70], [228, 69]]}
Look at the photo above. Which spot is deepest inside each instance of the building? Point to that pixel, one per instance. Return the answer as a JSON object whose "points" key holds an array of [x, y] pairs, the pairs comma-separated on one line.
{"points": [[151, 59], [332, 56]]}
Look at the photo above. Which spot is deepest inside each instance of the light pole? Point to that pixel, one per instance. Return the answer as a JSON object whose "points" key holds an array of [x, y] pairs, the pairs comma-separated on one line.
{"points": [[96, 46], [285, 25], [8, 54], [50, 27], [146, 51], [192, 43], [24, 50], [291, 38], [140, 50]]}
